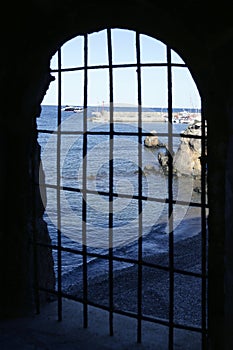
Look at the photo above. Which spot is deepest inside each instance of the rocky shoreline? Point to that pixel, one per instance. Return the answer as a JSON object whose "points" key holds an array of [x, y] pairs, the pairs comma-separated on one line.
{"points": [[187, 159]]}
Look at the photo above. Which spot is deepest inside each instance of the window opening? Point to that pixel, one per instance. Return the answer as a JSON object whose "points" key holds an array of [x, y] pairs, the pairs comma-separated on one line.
{"points": [[98, 167]]}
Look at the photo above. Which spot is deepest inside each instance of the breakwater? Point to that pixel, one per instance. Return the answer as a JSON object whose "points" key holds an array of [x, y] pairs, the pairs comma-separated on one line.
{"points": [[104, 116]]}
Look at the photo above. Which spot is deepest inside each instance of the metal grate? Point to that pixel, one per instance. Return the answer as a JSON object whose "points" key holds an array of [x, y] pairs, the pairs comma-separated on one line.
{"points": [[112, 194]]}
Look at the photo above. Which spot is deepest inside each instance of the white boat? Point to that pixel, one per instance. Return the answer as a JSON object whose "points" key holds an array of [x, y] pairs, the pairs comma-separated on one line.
{"points": [[78, 109], [185, 119], [180, 119], [75, 109]]}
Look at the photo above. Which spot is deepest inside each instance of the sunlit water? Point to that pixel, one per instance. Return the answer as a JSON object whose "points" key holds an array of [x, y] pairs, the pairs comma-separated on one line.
{"points": [[128, 157]]}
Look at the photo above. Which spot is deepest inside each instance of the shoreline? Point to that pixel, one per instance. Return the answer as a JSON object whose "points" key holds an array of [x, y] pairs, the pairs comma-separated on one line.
{"points": [[155, 285]]}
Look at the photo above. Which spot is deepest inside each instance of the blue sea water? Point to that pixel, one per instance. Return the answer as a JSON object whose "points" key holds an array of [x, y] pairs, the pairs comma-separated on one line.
{"points": [[128, 156]]}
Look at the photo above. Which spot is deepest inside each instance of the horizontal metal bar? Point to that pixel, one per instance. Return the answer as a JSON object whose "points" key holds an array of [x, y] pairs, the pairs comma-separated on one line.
{"points": [[129, 314], [126, 196], [118, 133], [106, 66], [120, 259]]}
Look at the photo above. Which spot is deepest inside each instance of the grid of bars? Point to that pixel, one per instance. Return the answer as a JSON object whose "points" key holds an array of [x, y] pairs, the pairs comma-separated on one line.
{"points": [[170, 201]]}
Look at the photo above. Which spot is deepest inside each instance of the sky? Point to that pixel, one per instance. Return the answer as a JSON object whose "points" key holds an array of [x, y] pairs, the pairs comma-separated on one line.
{"points": [[153, 79]]}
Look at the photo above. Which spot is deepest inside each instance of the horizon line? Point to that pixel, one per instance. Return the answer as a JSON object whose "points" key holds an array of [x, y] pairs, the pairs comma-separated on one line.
{"points": [[121, 106]]}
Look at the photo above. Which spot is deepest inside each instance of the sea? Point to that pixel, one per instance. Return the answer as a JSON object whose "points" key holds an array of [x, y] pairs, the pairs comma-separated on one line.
{"points": [[127, 155]]}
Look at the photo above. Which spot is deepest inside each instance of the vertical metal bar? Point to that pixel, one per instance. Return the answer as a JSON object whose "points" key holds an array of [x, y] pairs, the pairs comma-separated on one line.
{"points": [[203, 229], [110, 218], [59, 258], [139, 294], [84, 198], [34, 211], [170, 201]]}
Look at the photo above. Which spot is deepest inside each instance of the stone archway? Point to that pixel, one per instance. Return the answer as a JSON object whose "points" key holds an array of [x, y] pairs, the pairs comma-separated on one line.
{"points": [[206, 48]]}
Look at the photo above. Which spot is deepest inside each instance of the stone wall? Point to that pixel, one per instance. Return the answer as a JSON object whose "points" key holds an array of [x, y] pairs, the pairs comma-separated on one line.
{"points": [[22, 90]]}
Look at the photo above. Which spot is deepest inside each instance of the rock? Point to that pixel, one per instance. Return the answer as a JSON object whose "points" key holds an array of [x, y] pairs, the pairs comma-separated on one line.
{"points": [[149, 167], [163, 161], [187, 158], [153, 141], [144, 173]]}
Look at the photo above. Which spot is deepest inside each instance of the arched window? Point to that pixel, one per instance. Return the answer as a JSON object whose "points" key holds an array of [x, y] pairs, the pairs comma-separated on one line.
{"points": [[123, 148]]}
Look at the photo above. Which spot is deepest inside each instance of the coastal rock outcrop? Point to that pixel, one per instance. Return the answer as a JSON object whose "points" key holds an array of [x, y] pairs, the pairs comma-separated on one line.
{"points": [[187, 159], [153, 140], [163, 161]]}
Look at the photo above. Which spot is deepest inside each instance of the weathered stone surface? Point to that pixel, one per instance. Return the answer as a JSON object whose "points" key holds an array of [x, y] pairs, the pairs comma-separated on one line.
{"points": [[153, 141], [187, 158], [44, 259], [163, 161]]}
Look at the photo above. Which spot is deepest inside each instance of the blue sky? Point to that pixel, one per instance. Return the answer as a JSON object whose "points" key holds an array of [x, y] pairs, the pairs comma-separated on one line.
{"points": [[154, 79]]}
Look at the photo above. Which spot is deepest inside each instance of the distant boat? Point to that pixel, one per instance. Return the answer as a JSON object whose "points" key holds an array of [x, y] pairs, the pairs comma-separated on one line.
{"points": [[182, 118], [75, 109], [78, 109], [185, 119]]}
